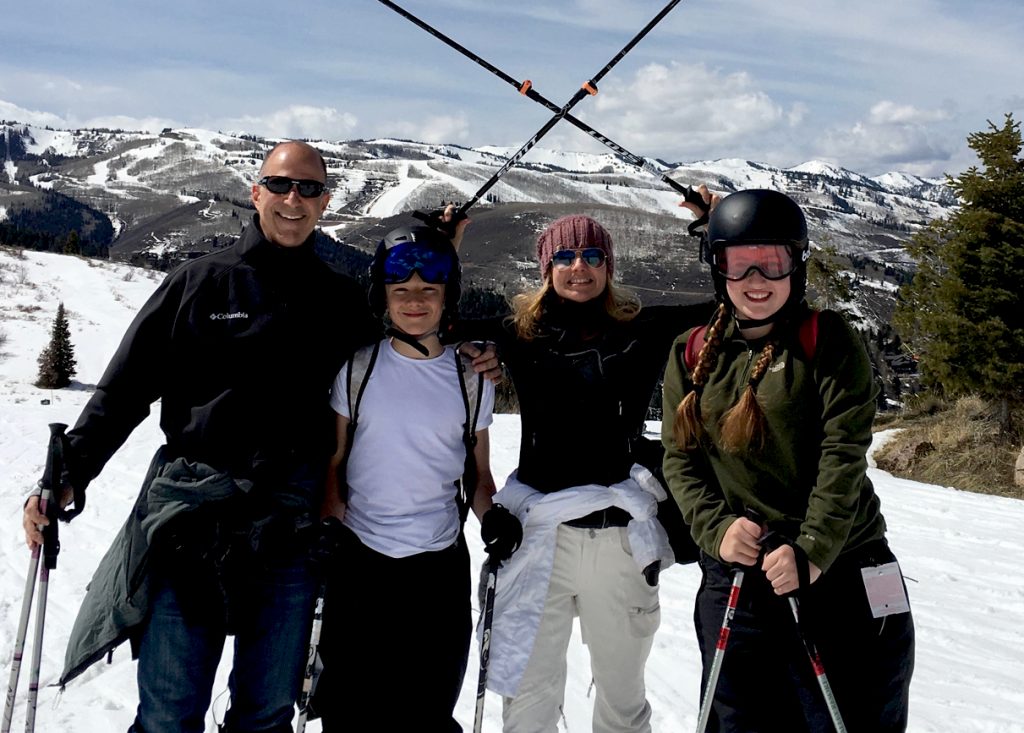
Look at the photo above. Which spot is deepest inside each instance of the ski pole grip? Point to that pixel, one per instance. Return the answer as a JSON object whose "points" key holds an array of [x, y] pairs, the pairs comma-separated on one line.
{"points": [[433, 219], [50, 482], [49, 497], [692, 197], [754, 516]]}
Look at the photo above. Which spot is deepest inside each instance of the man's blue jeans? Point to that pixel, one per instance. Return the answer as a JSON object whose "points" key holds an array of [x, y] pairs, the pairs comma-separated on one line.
{"points": [[178, 659]]}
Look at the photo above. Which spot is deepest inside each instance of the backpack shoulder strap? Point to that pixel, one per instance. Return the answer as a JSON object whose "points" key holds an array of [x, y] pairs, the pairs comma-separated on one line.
{"points": [[809, 334], [359, 368], [471, 386], [356, 374], [693, 346]]}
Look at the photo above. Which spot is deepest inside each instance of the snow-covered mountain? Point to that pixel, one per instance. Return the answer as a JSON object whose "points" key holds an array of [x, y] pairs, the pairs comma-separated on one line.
{"points": [[961, 553], [145, 196]]}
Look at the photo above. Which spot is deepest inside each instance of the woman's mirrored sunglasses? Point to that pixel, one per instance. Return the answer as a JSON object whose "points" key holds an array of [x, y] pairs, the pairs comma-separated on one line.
{"points": [[434, 265], [773, 261], [591, 256], [282, 185]]}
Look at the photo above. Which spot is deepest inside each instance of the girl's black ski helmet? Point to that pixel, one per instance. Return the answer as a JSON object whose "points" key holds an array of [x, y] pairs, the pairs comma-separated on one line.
{"points": [[759, 216]]}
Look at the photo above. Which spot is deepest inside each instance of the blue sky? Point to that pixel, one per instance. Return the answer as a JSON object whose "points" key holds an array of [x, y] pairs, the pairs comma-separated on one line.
{"points": [[874, 85]]}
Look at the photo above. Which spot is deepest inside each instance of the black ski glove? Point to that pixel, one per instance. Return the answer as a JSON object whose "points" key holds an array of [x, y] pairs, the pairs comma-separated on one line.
{"points": [[326, 540], [436, 220], [652, 572], [501, 532]]}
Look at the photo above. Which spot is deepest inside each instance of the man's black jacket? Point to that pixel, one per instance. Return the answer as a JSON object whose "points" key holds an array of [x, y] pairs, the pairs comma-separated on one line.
{"points": [[241, 347]]}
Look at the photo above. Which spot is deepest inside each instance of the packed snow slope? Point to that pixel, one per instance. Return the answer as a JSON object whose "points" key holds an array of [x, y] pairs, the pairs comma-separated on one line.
{"points": [[962, 553]]}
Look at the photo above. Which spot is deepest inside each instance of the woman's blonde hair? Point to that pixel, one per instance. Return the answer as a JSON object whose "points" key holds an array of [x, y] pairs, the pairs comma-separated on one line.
{"points": [[743, 426], [621, 304]]}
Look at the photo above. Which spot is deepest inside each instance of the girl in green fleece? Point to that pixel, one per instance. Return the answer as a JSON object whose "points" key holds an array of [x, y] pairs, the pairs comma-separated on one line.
{"points": [[768, 416]]}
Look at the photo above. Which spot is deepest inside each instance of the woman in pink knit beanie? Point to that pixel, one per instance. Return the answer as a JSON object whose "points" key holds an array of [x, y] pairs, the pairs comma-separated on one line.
{"points": [[584, 360]]}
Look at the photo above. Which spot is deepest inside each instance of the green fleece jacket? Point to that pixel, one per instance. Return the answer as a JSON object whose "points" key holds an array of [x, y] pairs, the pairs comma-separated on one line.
{"points": [[810, 481]]}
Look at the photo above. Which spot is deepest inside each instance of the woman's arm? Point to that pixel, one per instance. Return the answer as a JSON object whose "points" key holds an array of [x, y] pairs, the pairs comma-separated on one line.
{"points": [[668, 321], [485, 488]]}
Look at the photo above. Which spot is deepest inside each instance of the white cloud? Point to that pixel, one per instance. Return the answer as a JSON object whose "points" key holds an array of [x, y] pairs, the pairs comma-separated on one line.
{"points": [[688, 110], [126, 122], [297, 121], [433, 129], [12, 112], [891, 137], [891, 113], [796, 114]]}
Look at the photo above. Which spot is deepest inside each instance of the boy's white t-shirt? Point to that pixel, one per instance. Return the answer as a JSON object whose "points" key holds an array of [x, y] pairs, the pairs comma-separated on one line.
{"points": [[407, 451]]}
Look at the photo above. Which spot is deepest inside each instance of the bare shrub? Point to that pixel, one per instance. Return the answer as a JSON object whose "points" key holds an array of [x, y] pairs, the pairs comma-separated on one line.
{"points": [[962, 446], [17, 253]]}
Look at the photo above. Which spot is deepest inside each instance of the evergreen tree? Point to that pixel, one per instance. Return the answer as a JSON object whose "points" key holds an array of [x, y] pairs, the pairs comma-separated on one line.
{"points": [[825, 277], [963, 312], [57, 361], [72, 245]]}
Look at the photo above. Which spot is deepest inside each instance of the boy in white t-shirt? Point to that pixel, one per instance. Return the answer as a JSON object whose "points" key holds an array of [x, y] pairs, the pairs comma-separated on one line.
{"points": [[397, 619]]}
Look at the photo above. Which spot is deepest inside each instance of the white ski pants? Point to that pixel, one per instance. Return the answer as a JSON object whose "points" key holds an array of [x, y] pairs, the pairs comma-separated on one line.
{"points": [[594, 578]]}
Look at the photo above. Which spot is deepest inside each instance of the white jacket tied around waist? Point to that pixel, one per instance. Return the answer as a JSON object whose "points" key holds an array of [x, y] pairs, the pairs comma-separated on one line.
{"points": [[523, 581]]}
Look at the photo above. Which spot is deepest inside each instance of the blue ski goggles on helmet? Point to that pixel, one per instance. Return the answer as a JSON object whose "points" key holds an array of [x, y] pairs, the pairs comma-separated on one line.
{"points": [[434, 265], [736, 261]]}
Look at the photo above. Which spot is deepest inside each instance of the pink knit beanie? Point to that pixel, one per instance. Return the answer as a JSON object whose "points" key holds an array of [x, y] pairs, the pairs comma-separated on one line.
{"points": [[573, 232]]}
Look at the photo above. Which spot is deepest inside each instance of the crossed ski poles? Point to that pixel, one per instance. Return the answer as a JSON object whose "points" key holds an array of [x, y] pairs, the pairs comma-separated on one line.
{"points": [[49, 486], [590, 87], [526, 89], [723, 638]]}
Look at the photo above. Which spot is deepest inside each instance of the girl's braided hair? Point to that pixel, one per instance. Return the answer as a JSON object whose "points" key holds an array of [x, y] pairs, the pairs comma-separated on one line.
{"points": [[743, 425]]}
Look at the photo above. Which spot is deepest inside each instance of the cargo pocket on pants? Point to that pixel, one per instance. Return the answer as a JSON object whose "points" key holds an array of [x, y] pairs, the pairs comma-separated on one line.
{"points": [[644, 621]]}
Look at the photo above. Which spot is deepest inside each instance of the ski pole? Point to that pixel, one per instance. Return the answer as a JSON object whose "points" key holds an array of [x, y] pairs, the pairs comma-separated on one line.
{"points": [[49, 487], [588, 87], [716, 663], [770, 541], [485, 642], [819, 669], [19, 643], [526, 89], [314, 644]]}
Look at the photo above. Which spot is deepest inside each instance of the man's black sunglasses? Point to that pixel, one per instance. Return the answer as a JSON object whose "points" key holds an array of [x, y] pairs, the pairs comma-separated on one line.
{"points": [[282, 185]]}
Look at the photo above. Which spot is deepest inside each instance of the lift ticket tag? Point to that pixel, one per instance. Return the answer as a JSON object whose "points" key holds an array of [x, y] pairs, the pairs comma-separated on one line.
{"points": [[884, 587]]}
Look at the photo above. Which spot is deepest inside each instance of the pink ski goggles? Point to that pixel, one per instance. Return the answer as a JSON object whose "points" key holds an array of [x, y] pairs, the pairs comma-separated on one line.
{"points": [[737, 261]]}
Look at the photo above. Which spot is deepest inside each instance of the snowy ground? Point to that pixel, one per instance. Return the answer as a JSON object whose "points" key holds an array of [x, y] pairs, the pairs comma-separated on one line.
{"points": [[962, 553]]}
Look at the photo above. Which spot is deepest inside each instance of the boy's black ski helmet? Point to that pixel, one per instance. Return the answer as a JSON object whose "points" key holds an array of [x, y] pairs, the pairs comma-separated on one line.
{"points": [[759, 216], [431, 240]]}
